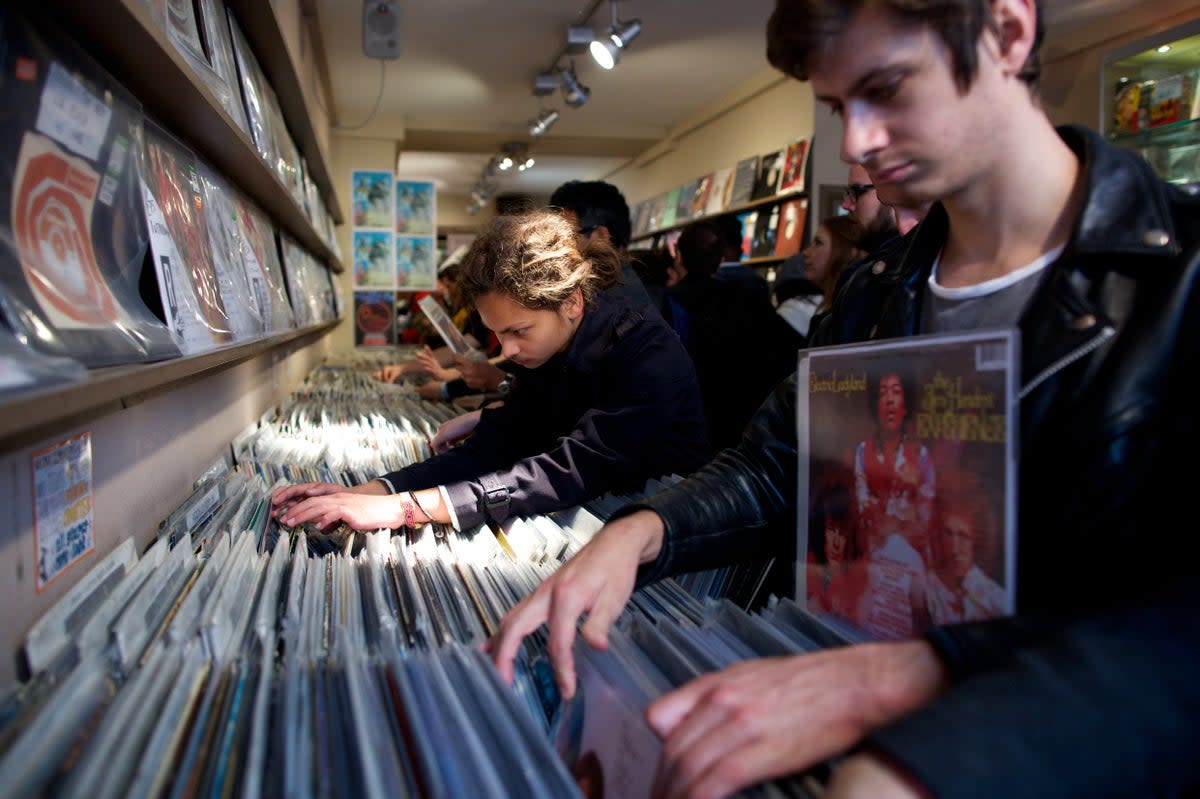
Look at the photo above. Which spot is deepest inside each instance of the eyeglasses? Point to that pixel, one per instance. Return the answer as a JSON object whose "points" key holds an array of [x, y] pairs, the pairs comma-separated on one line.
{"points": [[856, 190]]}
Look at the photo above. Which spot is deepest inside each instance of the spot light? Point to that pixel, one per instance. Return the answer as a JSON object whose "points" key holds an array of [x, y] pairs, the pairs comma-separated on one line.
{"points": [[575, 93], [606, 50]]}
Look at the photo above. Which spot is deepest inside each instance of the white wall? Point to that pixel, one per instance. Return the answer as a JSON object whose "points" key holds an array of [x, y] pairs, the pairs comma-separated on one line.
{"points": [[144, 461]]}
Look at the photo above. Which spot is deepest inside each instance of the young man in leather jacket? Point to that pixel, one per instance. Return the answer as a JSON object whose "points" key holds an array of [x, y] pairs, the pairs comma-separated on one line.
{"points": [[1091, 688]]}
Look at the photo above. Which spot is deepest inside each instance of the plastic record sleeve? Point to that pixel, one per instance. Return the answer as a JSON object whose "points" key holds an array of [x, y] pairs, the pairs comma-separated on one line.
{"points": [[72, 234]]}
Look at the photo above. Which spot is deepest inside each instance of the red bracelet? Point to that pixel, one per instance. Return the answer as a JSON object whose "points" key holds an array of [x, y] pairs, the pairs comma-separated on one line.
{"points": [[408, 513]]}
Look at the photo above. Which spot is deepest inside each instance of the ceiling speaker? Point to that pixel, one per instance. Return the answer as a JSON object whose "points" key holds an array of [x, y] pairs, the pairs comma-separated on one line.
{"points": [[381, 28]]}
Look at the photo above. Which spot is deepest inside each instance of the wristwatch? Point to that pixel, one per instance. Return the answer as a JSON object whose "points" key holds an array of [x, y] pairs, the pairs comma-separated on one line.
{"points": [[506, 384]]}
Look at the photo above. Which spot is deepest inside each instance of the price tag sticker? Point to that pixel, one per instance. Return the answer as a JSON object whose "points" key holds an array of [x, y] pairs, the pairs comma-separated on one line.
{"points": [[71, 115]]}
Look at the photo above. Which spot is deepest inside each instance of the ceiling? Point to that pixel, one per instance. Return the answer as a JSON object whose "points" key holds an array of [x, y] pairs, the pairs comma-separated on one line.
{"points": [[462, 85]]}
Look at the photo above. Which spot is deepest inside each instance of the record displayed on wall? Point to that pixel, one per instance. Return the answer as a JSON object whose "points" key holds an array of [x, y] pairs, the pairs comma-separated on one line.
{"points": [[72, 237]]}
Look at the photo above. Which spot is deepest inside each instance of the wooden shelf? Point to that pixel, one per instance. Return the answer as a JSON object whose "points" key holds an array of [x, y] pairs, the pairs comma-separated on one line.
{"points": [[31, 417], [774, 199], [120, 35]]}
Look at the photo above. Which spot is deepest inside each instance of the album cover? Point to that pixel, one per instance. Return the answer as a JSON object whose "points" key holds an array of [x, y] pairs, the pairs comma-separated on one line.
{"points": [[766, 223], [72, 233], [183, 261], [371, 198], [745, 176], [789, 234], [416, 202], [908, 490], [415, 263], [795, 160], [686, 201], [374, 319], [444, 326], [718, 193], [670, 207], [374, 266], [770, 169], [214, 25], [264, 271], [254, 86]]}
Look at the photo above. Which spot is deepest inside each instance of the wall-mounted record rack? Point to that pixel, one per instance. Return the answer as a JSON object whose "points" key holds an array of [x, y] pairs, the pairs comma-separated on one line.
{"points": [[121, 35], [35, 415], [774, 199]]}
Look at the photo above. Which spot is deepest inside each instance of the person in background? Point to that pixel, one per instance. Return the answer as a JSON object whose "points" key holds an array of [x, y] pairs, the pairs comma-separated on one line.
{"points": [[599, 212], [726, 325], [833, 247], [1096, 260], [731, 270], [604, 396]]}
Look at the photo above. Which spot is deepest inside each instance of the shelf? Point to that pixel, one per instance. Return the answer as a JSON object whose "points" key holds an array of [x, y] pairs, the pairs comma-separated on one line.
{"points": [[261, 27], [31, 417], [774, 199], [763, 260], [119, 35], [1177, 134]]}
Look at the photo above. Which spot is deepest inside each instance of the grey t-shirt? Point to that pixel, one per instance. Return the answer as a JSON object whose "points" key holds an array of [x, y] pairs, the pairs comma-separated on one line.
{"points": [[996, 303]]}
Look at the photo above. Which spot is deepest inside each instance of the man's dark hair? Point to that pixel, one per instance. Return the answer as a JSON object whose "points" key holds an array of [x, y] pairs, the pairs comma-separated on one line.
{"points": [[701, 247], [730, 228], [596, 204], [799, 31]]}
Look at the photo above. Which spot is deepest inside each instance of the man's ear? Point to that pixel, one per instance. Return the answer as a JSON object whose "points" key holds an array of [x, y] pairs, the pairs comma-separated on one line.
{"points": [[602, 232], [1016, 26]]}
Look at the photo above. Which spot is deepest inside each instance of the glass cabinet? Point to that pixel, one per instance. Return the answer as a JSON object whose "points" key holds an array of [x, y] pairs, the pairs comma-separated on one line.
{"points": [[1150, 100]]}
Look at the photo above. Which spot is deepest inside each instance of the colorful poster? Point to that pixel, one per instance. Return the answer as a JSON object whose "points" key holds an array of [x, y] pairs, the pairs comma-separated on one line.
{"points": [[908, 491], [372, 198], [63, 530], [373, 264], [415, 203], [415, 262], [374, 319]]}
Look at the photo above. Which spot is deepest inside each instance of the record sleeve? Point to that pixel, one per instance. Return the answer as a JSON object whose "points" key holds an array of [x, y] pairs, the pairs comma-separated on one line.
{"points": [[253, 84], [670, 207], [374, 319], [789, 233], [794, 161], [416, 201], [770, 170], [374, 265], [183, 261], [72, 234], [745, 175], [214, 25], [415, 263], [264, 271], [445, 327], [908, 490], [718, 193], [225, 240]]}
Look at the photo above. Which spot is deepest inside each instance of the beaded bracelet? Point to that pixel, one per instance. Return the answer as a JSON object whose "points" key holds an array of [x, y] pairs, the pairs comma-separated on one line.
{"points": [[408, 513]]}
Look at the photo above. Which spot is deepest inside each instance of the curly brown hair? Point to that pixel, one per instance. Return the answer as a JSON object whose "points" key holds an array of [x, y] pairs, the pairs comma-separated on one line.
{"points": [[533, 258]]}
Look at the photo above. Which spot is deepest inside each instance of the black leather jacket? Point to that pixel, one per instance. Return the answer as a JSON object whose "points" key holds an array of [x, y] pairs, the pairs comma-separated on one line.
{"points": [[1095, 685]]}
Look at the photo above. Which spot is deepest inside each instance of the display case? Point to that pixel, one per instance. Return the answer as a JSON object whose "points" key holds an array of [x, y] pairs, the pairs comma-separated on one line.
{"points": [[1149, 101]]}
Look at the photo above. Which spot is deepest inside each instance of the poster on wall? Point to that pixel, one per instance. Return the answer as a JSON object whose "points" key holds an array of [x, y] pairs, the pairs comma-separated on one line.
{"points": [[373, 264], [372, 198], [415, 261], [63, 531], [374, 319], [414, 207]]}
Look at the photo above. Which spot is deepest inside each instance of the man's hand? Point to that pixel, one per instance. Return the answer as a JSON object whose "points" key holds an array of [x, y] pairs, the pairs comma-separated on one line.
{"points": [[479, 375], [429, 362], [597, 580], [766, 718], [454, 430], [431, 390]]}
